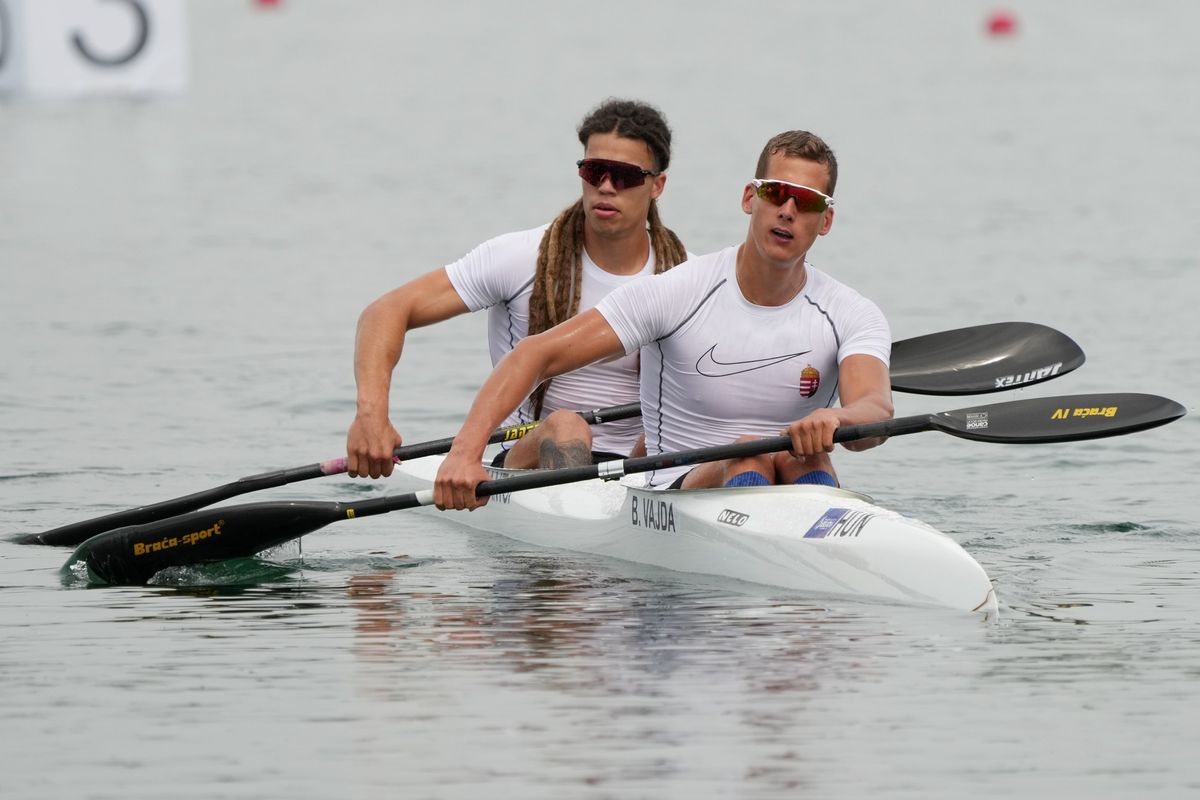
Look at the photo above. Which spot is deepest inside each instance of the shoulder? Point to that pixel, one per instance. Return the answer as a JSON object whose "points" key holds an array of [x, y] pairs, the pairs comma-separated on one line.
{"points": [[498, 269], [846, 308], [517, 244], [676, 288], [702, 271], [827, 290], [518, 247], [857, 321], [654, 305]]}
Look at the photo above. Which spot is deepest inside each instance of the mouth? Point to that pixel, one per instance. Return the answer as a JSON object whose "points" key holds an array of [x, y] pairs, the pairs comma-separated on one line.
{"points": [[605, 210], [782, 234]]}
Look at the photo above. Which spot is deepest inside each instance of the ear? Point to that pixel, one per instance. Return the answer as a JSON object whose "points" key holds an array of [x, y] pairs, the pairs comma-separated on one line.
{"points": [[826, 223], [747, 196], [656, 188]]}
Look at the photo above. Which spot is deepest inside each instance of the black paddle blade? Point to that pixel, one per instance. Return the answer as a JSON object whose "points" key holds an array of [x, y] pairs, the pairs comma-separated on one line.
{"points": [[1042, 420], [134, 554], [982, 359]]}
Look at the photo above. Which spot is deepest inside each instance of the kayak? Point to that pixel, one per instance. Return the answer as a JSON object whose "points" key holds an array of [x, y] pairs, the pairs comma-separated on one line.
{"points": [[812, 539]]}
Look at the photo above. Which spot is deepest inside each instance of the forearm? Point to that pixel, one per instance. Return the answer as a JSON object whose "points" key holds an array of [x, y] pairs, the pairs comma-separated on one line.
{"points": [[584, 339], [383, 325], [867, 409], [581, 340], [513, 379], [378, 343], [871, 408], [866, 396]]}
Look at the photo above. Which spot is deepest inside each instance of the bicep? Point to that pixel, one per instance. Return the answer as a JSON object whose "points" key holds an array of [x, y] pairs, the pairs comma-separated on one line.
{"points": [[422, 301], [861, 376]]}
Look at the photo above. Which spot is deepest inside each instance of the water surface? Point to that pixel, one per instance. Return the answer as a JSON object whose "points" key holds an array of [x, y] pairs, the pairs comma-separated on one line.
{"points": [[179, 282]]}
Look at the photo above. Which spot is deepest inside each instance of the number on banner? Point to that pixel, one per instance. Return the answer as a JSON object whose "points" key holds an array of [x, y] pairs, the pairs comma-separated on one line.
{"points": [[81, 47]]}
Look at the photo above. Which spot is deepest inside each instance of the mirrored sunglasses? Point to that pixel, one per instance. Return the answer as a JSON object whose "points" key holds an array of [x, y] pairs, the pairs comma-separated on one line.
{"points": [[807, 199], [622, 175]]}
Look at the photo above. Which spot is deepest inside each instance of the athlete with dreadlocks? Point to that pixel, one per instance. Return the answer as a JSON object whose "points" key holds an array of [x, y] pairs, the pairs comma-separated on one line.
{"points": [[530, 281]]}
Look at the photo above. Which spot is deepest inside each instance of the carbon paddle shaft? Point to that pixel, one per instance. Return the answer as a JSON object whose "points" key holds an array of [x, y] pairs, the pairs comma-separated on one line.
{"points": [[74, 533], [1038, 420]]}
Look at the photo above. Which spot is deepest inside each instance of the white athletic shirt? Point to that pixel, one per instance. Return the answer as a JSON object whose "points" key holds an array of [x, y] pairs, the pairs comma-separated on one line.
{"points": [[715, 366], [498, 275]]}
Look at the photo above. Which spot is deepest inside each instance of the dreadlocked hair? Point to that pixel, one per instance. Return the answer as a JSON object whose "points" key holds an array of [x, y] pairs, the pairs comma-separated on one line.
{"points": [[558, 282]]}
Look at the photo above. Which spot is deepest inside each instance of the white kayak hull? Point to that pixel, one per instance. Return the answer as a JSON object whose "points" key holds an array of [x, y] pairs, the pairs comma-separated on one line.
{"points": [[808, 538]]}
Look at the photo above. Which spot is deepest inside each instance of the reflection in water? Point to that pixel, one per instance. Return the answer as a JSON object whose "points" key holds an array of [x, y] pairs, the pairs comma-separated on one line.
{"points": [[578, 630], [376, 609], [620, 677], [527, 622]]}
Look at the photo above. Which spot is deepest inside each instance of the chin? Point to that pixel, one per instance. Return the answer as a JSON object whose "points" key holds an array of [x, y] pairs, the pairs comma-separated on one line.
{"points": [[609, 226], [780, 257]]}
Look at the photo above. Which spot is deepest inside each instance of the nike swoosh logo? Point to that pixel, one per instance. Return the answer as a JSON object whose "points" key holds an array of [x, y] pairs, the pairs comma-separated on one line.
{"points": [[708, 366]]}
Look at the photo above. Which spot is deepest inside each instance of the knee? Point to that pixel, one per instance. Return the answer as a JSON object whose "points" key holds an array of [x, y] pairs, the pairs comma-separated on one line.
{"points": [[566, 425], [762, 464], [791, 469]]}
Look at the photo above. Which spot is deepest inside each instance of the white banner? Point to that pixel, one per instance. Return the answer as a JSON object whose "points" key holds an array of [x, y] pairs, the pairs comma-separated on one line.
{"points": [[82, 47]]}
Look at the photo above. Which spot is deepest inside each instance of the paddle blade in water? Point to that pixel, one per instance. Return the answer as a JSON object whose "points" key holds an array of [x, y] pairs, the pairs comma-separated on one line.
{"points": [[134, 554]]}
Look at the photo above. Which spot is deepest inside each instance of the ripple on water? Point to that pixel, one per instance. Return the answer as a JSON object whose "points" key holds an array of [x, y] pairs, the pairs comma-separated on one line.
{"points": [[1112, 527]]}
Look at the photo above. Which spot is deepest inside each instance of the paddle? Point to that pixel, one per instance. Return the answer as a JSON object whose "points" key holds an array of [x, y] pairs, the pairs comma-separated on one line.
{"points": [[77, 532], [133, 555], [984, 358]]}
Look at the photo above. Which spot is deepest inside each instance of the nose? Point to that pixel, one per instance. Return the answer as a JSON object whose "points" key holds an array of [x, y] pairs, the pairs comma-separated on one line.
{"points": [[606, 184]]}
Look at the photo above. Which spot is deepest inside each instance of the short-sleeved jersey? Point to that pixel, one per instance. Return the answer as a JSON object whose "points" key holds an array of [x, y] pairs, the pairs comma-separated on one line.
{"points": [[498, 275], [716, 366]]}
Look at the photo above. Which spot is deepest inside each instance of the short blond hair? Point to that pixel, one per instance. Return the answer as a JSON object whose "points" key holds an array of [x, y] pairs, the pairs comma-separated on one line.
{"points": [[800, 144]]}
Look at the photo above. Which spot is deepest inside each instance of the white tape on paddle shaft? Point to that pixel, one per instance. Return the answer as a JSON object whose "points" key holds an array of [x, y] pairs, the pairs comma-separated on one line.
{"points": [[424, 497], [610, 470]]}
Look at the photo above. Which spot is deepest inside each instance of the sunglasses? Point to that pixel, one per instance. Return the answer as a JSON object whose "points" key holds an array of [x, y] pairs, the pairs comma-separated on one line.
{"points": [[622, 175], [805, 197]]}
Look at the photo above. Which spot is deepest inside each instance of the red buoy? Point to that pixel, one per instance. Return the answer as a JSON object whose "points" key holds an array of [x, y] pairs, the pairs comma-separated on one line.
{"points": [[1001, 23]]}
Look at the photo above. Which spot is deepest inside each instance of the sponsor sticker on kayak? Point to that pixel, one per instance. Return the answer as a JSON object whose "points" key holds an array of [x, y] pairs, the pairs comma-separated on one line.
{"points": [[734, 518], [839, 522]]}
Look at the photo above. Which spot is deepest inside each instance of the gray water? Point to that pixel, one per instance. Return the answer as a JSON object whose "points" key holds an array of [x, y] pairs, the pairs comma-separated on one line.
{"points": [[179, 283]]}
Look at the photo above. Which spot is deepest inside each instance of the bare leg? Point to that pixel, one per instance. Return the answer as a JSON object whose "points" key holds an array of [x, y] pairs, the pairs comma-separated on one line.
{"points": [[788, 468], [552, 454], [775, 467], [716, 473], [562, 439]]}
